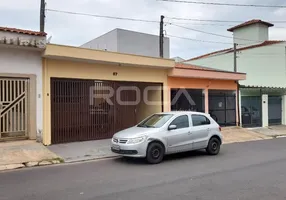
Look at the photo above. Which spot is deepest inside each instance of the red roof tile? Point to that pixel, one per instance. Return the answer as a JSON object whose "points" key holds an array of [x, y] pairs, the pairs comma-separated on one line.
{"points": [[28, 32], [209, 54], [196, 67], [254, 21], [224, 51]]}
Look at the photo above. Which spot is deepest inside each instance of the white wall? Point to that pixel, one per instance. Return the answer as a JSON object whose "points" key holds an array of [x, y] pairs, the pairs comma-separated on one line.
{"points": [[22, 61], [255, 32], [141, 44], [106, 42], [130, 42], [264, 66], [265, 110]]}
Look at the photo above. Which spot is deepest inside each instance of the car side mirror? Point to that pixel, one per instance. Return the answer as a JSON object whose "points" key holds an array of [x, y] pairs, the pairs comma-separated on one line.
{"points": [[172, 127]]}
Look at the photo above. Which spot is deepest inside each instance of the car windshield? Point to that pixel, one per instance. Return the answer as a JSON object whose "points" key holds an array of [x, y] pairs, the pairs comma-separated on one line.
{"points": [[155, 121]]}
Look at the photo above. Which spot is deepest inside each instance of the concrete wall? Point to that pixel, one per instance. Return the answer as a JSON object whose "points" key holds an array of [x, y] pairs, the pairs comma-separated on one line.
{"points": [[155, 97], [256, 32], [264, 110], [23, 61], [107, 42], [264, 66], [130, 42], [141, 44], [284, 109]]}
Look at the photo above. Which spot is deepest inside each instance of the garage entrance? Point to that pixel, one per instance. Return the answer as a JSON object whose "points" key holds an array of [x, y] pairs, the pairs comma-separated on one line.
{"points": [[84, 110], [251, 111], [222, 107], [187, 100], [274, 110]]}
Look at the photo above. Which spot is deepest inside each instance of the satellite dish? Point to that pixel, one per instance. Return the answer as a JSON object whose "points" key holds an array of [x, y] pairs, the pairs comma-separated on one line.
{"points": [[49, 39]]}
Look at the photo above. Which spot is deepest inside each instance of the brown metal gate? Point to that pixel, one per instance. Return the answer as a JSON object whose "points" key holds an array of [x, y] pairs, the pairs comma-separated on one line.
{"points": [[13, 107], [77, 116]]}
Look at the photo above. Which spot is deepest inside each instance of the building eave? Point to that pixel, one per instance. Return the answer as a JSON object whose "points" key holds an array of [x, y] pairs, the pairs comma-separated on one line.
{"points": [[62, 52], [206, 74]]}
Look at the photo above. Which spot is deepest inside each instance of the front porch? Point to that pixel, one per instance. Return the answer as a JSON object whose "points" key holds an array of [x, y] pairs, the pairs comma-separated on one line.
{"points": [[262, 106]]}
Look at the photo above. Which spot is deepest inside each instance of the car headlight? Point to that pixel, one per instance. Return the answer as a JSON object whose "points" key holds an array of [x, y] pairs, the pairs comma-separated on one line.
{"points": [[136, 140]]}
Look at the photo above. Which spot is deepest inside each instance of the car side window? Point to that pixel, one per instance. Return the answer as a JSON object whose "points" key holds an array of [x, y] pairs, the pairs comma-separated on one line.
{"points": [[181, 122], [200, 120]]}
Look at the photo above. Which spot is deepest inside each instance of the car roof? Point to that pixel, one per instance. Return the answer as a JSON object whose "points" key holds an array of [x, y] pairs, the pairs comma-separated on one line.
{"points": [[182, 112]]}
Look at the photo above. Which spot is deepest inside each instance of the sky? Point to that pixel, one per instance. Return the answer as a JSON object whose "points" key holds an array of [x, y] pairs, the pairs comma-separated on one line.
{"points": [[76, 30]]}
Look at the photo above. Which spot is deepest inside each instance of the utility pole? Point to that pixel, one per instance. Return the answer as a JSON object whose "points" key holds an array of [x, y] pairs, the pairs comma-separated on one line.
{"points": [[237, 83], [42, 16], [235, 57], [161, 36]]}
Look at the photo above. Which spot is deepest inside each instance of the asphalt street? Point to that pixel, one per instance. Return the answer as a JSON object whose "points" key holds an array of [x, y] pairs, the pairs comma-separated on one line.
{"points": [[252, 170]]}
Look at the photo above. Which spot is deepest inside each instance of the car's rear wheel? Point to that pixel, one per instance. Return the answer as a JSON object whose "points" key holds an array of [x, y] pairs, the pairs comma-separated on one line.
{"points": [[155, 153], [213, 146]]}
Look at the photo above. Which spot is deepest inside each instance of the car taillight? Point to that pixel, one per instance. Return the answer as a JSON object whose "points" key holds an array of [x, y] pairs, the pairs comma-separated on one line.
{"points": [[219, 128]]}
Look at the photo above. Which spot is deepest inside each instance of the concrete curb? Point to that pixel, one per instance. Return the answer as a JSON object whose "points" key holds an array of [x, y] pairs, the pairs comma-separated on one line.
{"points": [[31, 164], [91, 159]]}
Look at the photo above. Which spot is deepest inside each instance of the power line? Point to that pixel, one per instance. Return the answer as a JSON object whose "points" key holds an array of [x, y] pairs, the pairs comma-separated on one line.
{"points": [[226, 4], [200, 31], [203, 24], [196, 40], [102, 16], [214, 20], [213, 24], [219, 35]]}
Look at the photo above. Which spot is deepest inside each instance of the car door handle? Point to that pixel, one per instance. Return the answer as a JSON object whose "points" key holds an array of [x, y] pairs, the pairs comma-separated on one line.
{"points": [[189, 133]]}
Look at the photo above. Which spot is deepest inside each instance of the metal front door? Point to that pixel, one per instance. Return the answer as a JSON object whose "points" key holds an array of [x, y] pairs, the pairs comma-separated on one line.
{"points": [[13, 107], [274, 110], [222, 107], [77, 115], [251, 111]]}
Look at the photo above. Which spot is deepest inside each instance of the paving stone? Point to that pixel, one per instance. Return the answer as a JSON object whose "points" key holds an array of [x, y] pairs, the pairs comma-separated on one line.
{"points": [[31, 164], [56, 162], [45, 163], [2, 167], [14, 166]]}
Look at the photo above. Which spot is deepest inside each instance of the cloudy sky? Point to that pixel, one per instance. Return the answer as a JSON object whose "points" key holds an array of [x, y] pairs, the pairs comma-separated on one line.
{"points": [[76, 30]]}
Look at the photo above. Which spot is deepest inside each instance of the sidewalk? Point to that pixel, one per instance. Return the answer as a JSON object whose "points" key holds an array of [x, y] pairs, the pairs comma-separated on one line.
{"points": [[25, 153], [238, 134], [82, 151], [272, 131]]}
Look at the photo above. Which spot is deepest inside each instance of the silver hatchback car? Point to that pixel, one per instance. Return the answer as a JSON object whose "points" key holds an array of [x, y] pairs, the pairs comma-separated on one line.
{"points": [[168, 133]]}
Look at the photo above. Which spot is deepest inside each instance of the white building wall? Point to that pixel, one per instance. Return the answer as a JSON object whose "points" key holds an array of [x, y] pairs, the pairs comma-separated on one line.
{"points": [[23, 61], [141, 44], [252, 34], [284, 109], [130, 42], [264, 110], [264, 66], [106, 42]]}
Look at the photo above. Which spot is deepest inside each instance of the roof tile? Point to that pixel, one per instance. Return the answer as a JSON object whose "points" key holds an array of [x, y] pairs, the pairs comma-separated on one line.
{"points": [[224, 51], [254, 21], [196, 67], [22, 31]]}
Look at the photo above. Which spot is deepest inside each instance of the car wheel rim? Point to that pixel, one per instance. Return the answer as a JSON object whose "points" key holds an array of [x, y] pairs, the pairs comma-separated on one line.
{"points": [[155, 153], [214, 146]]}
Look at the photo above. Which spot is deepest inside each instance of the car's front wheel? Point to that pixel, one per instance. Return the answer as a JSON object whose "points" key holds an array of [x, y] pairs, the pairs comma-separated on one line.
{"points": [[213, 146], [155, 153]]}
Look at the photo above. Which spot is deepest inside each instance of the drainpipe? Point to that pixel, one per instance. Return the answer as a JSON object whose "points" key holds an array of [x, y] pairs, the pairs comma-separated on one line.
{"points": [[237, 100]]}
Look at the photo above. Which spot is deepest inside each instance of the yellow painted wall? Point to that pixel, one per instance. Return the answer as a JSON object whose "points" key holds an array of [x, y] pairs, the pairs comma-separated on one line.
{"points": [[84, 70], [144, 110]]}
